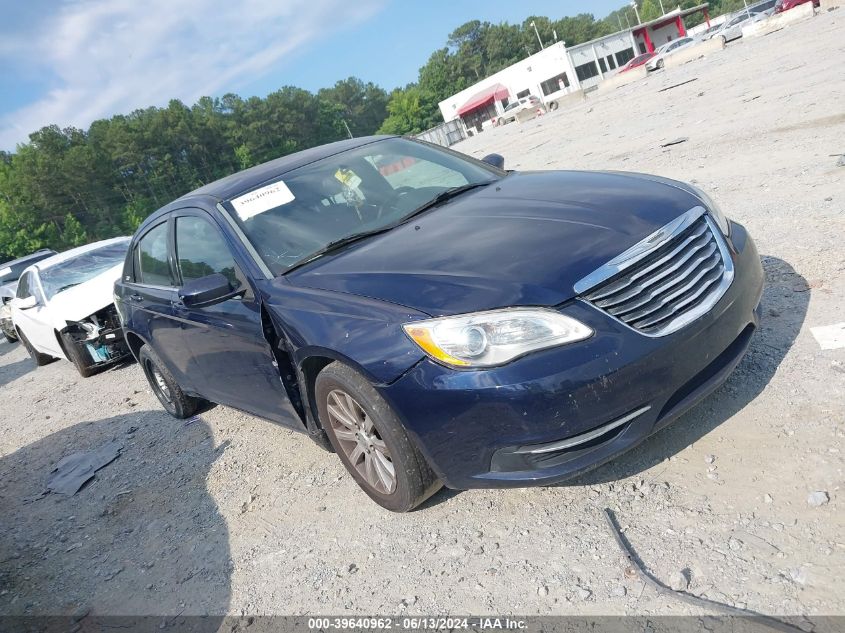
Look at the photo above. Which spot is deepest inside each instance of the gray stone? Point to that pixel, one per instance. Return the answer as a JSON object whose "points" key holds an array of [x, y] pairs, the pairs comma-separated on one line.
{"points": [[817, 498], [679, 581]]}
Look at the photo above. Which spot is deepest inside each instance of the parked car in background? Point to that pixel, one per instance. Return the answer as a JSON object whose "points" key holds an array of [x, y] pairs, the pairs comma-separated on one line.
{"points": [[64, 307], [9, 273], [732, 29], [709, 33], [670, 48], [513, 110], [638, 61], [7, 293], [786, 5], [448, 323]]}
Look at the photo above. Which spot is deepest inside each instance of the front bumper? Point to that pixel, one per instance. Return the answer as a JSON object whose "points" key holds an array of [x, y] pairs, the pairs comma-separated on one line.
{"points": [[502, 427]]}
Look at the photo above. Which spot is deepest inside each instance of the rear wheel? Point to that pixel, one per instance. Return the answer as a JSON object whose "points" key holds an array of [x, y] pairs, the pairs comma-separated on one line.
{"points": [[371, 441], [39, 358], [175, 401]]}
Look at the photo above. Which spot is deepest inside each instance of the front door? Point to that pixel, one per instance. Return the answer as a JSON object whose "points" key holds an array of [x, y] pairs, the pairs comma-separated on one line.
{"points": [[227, 339], [35, 323]]}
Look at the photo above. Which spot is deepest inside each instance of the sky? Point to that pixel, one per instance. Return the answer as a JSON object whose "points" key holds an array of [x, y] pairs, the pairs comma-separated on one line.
{"points": [[70, 62]]}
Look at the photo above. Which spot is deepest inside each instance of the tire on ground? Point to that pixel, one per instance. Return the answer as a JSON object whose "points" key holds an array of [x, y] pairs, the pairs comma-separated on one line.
{"points": [[39, 358], [415, 481], [179, 404]]}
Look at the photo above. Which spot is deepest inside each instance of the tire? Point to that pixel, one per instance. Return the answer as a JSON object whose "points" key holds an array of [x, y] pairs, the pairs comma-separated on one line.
{"points": [[378, 442], [175, 401], [660, 64], [76, 356], [39, 358], [10, 338]]}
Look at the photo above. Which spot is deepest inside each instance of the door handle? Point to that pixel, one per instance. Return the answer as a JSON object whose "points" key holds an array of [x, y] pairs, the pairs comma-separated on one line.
{"points": [[136, 297]]}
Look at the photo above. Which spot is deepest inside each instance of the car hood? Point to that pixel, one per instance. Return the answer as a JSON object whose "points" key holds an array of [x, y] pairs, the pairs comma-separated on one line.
{"points": [[524, 240], [78, 302]]}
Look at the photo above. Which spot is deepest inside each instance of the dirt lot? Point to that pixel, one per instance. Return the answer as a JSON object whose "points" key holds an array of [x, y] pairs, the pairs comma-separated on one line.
{"points": [[230, 514]]}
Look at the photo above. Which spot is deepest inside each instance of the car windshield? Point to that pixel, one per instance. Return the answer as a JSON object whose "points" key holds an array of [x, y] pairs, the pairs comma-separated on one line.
{"points": [[368, 189], [82, 268]]}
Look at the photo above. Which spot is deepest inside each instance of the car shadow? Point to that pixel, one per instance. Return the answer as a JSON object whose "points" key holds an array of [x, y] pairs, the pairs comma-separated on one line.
{"points": [[143, 538], [6, 346], [786, 296], [14, 370]]}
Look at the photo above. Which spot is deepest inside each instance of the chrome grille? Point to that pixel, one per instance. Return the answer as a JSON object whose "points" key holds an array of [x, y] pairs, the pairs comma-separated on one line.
{"points": [[673, 277]]}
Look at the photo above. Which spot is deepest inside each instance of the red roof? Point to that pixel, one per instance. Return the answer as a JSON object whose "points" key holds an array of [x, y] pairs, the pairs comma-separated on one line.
{"points": [[483, 98]]}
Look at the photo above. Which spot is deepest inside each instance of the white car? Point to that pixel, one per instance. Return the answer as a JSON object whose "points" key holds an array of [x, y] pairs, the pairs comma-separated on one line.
{"points": [[513, 110], [732, 29], [64, 307], [668, 49]]}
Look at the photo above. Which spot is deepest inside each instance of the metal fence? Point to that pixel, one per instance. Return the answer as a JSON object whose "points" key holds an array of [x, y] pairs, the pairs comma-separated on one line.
{"points": [[445, 134]]}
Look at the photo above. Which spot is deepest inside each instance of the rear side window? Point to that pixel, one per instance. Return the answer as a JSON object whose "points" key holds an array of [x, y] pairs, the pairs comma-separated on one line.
{"points": [[151, 265], [202, 251]]}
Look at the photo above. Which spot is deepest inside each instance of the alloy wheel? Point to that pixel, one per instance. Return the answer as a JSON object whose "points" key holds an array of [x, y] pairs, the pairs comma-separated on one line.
{"points": [[361, 442], [159, 382]]}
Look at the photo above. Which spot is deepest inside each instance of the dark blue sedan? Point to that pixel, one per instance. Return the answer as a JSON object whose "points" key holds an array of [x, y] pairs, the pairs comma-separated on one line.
{"points": [[435, 319]]}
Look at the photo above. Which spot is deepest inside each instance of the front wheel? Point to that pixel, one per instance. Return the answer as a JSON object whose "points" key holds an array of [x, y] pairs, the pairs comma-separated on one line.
{"points": [[175, 401], [77, 356], [39, 358], [371, 441], [10, 337]]}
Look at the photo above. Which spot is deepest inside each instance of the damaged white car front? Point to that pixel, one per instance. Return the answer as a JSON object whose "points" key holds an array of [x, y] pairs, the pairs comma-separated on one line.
{"points": [[64, 307]]}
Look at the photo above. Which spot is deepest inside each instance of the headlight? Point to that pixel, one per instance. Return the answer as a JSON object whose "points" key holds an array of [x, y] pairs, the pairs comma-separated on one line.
{"points": [[714, 210], [487, 339]]}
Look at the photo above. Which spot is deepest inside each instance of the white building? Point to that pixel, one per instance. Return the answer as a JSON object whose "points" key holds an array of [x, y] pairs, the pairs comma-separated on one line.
{"points": [[549, 73], [557, 71]]}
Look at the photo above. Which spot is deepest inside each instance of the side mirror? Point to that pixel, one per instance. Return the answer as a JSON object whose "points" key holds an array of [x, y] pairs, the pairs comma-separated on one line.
{"points": [[206, 291], [24, 304], [497, 160]]}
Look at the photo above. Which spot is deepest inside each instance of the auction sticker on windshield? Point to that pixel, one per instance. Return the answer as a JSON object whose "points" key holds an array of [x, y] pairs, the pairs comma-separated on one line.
{"points": [[263, 199]]}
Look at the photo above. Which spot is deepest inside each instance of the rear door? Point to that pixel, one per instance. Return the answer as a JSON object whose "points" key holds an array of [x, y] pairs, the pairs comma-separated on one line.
{"points": [[151, 298], [227, 339]]}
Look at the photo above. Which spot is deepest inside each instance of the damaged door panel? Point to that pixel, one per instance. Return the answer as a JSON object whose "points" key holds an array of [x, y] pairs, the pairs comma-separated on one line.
{"points": [[226, 339]]}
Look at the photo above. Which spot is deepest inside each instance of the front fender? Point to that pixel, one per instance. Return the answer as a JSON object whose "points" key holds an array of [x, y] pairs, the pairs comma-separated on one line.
{"points": [[364, 333]]}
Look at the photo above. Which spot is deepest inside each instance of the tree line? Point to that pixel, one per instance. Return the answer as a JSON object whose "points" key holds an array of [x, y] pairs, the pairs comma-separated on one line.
{"points": [[66, 187]]}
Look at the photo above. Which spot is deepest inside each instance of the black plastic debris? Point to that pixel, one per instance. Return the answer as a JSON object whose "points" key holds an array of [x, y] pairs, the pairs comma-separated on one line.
{"points": [[676, 141], [75, 470]]}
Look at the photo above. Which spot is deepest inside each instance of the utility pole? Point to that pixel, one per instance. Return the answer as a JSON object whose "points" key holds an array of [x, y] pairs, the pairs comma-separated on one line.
{"points": [[348, 131], [538, 35], [662, 10], [636, 11]]}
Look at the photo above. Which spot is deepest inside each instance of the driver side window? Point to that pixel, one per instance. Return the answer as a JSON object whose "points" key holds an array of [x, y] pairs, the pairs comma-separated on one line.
{"points": [[202, 251]]}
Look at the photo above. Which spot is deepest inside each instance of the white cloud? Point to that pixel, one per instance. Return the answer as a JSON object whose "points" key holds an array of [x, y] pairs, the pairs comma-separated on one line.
{"points": [[113, 56]]}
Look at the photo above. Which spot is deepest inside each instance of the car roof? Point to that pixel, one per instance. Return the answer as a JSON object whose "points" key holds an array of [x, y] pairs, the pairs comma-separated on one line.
{"points": [[76, 252], [247, 179], [19, 260]]}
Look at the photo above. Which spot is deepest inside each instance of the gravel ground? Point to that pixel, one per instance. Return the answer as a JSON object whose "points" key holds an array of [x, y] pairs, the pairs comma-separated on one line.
{"points": [[229, 514]]}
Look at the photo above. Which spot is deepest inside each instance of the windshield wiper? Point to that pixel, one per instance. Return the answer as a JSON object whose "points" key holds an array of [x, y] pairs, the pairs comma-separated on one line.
{"points": [[443, 196], [337, 244]]}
